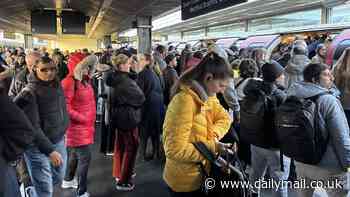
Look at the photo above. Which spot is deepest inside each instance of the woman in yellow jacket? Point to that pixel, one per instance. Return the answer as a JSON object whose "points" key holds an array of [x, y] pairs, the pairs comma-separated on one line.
{"points": [[194, 114]]}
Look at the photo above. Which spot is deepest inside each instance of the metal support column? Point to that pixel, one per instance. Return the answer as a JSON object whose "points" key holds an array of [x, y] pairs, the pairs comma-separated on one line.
{"points": [[246, 25], [28, 41], [107, 40], [144, 33], [206, 30], [326, 15]]}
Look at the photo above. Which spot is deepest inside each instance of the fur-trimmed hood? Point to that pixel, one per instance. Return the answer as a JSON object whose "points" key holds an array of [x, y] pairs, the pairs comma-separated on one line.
{"points": [[89, 61], [73, 61]]}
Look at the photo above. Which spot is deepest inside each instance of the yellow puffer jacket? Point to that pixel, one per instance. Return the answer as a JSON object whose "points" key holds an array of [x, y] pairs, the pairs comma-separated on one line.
{"points": [[191, 117]]}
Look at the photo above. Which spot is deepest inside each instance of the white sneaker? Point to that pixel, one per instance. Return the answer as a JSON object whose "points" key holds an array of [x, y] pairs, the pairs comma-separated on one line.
{"points": [[86, 194], [125, 187], [132, 176], [73, 184]]}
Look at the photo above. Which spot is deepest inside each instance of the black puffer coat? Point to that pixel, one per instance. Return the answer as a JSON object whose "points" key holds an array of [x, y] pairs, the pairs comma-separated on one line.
{"points": [[127, 98], [45, 106]]}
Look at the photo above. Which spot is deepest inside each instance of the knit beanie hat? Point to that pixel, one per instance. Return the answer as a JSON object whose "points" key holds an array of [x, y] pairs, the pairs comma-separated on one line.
{"points": [[271, 71]]}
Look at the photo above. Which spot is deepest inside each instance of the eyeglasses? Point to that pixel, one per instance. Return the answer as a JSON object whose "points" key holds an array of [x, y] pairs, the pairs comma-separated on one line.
{"points": [[45, 70]]}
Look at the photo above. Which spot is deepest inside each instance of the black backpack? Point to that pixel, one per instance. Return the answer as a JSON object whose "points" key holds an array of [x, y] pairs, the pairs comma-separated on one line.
{"points": [[299, 131], [257, 120]]}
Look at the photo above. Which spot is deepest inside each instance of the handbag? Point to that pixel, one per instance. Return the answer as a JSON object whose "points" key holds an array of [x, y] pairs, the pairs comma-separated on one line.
{"points": [[223, 168]]}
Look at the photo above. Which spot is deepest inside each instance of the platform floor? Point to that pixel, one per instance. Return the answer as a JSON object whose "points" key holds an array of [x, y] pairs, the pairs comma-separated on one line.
{"points": [[148, 180]]}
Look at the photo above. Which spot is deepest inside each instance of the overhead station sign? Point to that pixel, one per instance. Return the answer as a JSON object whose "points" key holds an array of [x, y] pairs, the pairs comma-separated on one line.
{"points": [[9, 35], [193, 8]]}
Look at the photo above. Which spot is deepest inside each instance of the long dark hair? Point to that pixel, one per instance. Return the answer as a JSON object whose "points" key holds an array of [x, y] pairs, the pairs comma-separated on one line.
{"points": [[212, 64], [341, 74]]}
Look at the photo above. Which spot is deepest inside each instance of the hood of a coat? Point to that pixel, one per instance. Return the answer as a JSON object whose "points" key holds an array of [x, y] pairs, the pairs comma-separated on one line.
{"points": [[197, 90], [88, 61], [305, 90], [73, 60], [299, 61]]}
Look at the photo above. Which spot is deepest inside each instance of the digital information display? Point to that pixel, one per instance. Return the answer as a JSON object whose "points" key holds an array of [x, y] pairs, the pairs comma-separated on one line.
{"points": [[193, 8]]}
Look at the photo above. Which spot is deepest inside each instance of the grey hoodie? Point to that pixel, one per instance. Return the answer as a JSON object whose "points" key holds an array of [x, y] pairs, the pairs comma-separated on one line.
{"points": [[295, 68], [337, 155]]}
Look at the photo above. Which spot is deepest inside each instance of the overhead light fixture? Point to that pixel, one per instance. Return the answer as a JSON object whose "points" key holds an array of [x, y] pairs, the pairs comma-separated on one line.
{"points": [[167, 21], [128, 33], [60, 9]]}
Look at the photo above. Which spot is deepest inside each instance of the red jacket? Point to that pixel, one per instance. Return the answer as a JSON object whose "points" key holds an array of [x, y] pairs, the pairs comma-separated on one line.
{"points": [[81, 105]]}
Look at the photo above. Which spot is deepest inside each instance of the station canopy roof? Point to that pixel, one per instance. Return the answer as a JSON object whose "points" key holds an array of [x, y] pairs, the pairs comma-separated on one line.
{"points": [[252, 9], [106, 16]]}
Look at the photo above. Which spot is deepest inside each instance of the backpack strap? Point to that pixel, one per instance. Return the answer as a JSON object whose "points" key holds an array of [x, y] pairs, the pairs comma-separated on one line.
{"points": [[281, 161], [240, 82]]}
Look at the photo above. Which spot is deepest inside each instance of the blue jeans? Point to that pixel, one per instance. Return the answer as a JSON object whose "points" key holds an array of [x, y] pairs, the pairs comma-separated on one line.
{"points": [[265, 158], [43, 174], [347, 114], [8, 184]]}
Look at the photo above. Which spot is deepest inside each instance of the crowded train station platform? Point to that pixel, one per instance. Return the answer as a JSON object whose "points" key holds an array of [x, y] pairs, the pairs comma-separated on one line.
{"points": [[174, 98]]}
